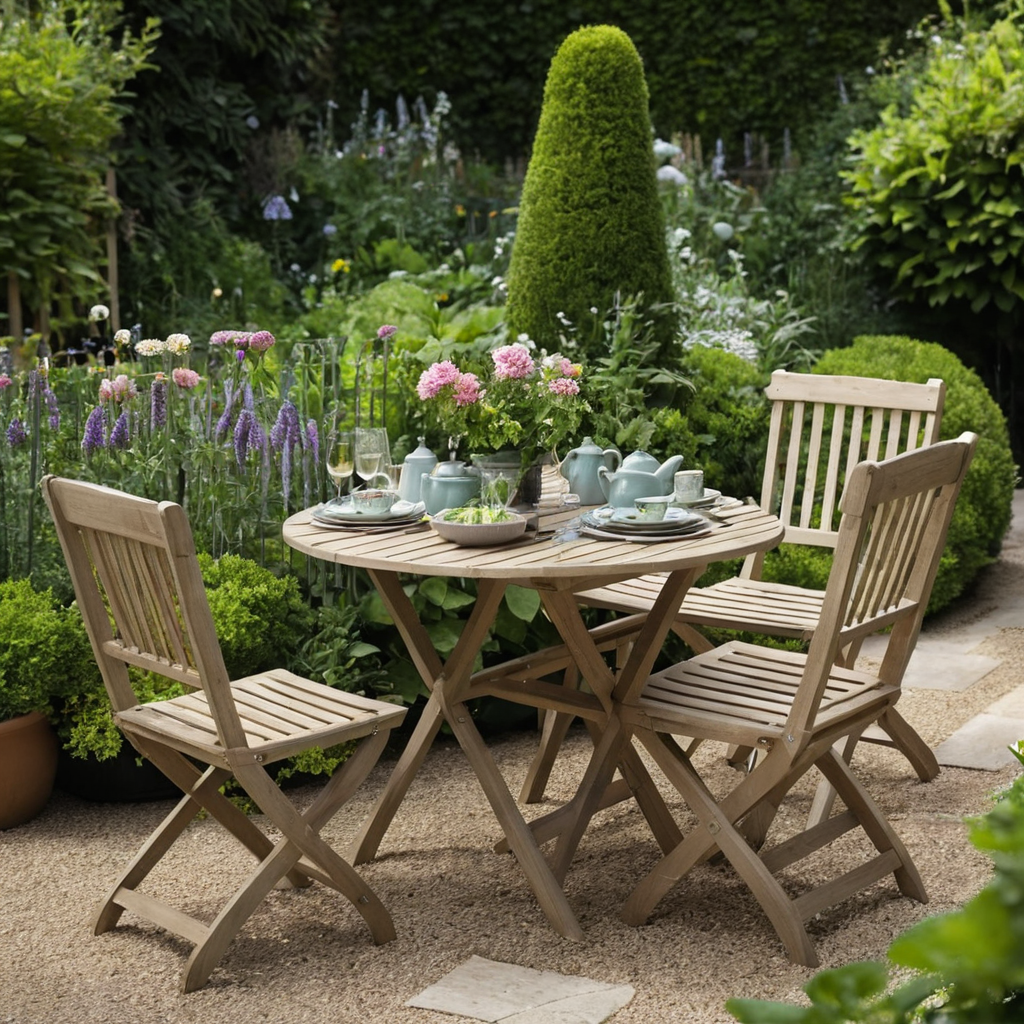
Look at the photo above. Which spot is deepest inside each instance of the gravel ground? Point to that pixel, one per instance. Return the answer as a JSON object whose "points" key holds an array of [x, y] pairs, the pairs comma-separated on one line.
{"points": [[306, 956]]}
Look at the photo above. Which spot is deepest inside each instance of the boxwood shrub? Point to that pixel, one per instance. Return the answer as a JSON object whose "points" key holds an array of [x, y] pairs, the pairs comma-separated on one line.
{"points": [[983, 510]]}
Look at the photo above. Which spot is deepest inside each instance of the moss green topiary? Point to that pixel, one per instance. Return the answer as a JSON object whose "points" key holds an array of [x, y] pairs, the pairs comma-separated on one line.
{"points": [[590, 219], [984, 508]]}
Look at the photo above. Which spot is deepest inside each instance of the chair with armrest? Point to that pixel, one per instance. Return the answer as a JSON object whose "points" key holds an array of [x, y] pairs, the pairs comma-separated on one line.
{"points": [[137, 580], [821, 427], [797, 707]]}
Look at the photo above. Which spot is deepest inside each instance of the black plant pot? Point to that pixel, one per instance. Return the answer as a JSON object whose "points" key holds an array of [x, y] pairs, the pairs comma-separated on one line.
{"points": [[117, 780]]}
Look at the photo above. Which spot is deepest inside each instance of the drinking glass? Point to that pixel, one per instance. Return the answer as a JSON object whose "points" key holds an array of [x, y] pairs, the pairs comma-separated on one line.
{"points": [[372, 452], [340, 458]]}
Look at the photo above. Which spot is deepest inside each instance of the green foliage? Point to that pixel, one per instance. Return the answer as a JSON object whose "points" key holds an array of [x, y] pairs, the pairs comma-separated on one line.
{"points": [[939, 184], [969, 964], [45, 653], [723, 427], [751, 67], [61, 87], [590, 220], [984, 507], [260, 617]]}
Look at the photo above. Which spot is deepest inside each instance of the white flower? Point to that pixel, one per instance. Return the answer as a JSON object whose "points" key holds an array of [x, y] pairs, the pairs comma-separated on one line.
{"points": [[178, 343], [123, 337], [99, 313], [671, 174], [150, 347]]}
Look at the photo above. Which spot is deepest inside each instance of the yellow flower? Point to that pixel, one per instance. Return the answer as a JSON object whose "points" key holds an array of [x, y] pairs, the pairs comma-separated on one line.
{"points": [[460, 210], [493, 213], [341, 266]]}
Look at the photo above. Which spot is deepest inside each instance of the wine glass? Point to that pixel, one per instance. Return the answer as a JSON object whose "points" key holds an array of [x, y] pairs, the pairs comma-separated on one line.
{"points": [[372, 452], [340, 458]]}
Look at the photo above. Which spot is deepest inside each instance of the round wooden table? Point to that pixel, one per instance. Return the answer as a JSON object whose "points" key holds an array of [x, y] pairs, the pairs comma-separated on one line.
{"points": [[557, 571]]}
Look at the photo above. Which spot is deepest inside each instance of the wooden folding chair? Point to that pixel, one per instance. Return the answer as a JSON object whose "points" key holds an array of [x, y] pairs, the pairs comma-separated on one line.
{"points": [[137, 579], [797, 707], [821, 427]]}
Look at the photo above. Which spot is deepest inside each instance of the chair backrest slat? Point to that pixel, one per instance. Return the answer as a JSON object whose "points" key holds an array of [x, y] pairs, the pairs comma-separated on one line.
{"points": [[896, 515], [821, 427], [134, 560]]}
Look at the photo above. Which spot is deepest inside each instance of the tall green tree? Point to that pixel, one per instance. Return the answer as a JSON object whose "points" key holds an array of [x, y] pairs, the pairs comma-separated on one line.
{"points": [[590, 220]]}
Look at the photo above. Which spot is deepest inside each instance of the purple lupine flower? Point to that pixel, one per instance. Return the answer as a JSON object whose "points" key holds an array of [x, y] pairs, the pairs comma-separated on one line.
{"points": [[92, 435], [119, 435], [224, 423], [284, 436], [311, 440], [54, 409], [16, 435], [241, 437], [385, 331], [257, 438], [158, 403]]}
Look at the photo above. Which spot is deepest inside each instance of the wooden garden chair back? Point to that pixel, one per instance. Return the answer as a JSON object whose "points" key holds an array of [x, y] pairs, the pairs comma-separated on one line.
{"points": [[821, 427], [139, 588], [796, 707]]}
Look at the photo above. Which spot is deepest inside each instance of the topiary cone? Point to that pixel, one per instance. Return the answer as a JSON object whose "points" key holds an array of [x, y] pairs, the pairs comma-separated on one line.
{"points": [[590, 220]]}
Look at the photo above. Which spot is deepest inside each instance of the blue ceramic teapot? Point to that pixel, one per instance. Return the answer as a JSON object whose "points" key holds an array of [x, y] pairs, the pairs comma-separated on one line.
{"points": [[451, 484], [639, 476], [580, 468]]}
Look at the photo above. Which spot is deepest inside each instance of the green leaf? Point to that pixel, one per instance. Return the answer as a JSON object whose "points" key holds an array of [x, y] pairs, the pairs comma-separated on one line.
{"points": [[522, 602], [434, 589]]}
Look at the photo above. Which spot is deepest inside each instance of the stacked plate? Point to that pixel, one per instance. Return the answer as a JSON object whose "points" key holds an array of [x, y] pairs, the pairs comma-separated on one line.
{"points": [[341, 515], [709, 498], [608, 523]]}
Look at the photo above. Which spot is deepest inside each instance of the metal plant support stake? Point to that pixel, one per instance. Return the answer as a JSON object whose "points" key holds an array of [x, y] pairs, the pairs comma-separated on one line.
{"points": [[368, 356]]}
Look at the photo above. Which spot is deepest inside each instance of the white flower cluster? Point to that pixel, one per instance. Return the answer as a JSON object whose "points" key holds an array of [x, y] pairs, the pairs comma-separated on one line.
{"points": [[150, 347]]}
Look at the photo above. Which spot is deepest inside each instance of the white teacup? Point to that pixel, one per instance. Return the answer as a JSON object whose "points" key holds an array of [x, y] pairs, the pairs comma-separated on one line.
{"points": [[689, 485]]}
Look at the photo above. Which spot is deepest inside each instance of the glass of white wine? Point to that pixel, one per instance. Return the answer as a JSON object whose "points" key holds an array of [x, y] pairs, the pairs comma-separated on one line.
{"points": [[372, 452], [340, 458]]}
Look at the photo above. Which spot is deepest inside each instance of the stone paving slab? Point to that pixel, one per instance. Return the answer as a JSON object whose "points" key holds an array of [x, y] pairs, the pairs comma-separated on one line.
{"points": [[938, 664], [507, 993], [983, 742]]}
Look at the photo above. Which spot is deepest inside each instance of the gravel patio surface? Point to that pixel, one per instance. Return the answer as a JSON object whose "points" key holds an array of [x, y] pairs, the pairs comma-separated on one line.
{"points": [[306, 955]]}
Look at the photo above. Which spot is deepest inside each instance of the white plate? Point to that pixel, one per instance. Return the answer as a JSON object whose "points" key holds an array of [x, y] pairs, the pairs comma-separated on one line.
{"points": [[346, 513], [609, 533]]}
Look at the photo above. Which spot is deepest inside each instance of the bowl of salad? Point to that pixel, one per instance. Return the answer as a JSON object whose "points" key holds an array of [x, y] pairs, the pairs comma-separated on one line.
{"points": [[478, 525]]}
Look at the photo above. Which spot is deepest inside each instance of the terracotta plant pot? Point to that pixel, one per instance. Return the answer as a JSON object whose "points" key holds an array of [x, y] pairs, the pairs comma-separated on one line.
{"points": [[28, 766]]}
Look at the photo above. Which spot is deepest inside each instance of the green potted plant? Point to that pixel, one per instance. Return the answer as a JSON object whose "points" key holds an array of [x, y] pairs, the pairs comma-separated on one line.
{"points": [[45, 657]]}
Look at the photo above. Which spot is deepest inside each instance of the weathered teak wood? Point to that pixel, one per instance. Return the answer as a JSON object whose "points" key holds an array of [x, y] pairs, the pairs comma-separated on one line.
{"points": [[557, 573], [799, 707], [821, 427], [133, 560]]}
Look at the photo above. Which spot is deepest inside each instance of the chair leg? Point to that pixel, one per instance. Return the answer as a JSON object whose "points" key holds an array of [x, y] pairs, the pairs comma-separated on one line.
{"points": [[718, 831], [871, 819], [301, 840], [905, 738]]}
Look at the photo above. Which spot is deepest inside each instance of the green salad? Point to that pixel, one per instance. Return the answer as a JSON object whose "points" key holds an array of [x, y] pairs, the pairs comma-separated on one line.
{"points": [[478, 514]]}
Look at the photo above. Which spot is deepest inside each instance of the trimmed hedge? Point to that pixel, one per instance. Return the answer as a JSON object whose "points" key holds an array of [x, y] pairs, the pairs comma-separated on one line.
{"points": [[984, 507], [590, 220], [713, 69]]}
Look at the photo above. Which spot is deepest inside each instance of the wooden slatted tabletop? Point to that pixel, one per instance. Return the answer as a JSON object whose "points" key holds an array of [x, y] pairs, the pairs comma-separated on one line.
{"points": [[536, 560]]}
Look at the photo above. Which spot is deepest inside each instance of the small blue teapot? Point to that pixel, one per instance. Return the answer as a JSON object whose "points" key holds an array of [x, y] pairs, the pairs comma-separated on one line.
{"points": [[580, 468], [450, 484], [639, 476]]}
